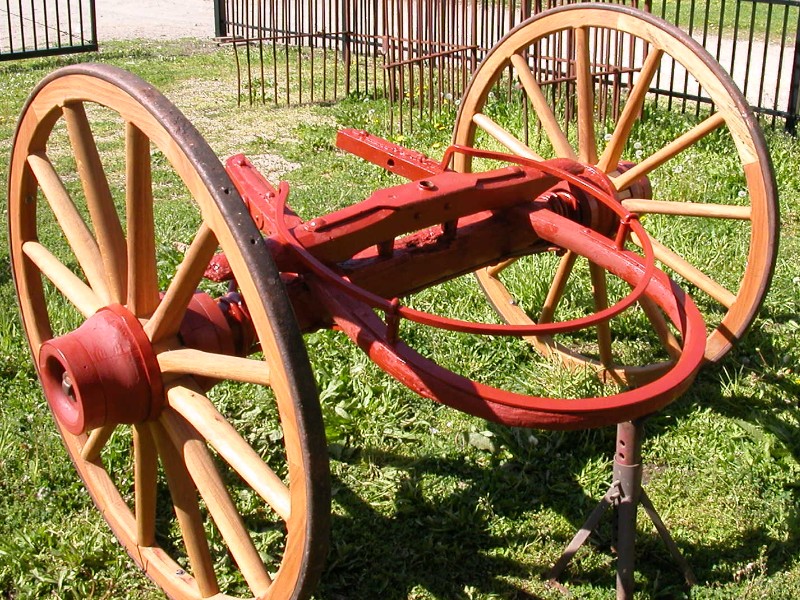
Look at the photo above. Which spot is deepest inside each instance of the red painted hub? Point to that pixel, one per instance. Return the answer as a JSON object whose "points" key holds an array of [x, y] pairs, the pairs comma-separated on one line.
{"points": [[219, 326], [204, 326], [577, 205], [104, 372], [240, 325]]}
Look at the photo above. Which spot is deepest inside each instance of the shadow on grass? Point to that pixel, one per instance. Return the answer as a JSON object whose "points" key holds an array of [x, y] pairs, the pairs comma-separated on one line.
{"points": [[446, 545], [450, 544], [442, 545]]}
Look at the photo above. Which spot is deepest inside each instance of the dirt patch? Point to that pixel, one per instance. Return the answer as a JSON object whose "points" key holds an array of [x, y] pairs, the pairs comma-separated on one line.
{"points": [[272, 166], [230, 129]]}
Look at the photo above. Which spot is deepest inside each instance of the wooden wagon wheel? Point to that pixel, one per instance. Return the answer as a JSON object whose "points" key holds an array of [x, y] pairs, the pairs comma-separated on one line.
{"points": [[87, 246], [573, 66]]}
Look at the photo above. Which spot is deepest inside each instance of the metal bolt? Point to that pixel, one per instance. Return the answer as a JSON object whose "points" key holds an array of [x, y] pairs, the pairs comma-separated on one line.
{"points": [[66, 386], [314, 224], [615, 493]]}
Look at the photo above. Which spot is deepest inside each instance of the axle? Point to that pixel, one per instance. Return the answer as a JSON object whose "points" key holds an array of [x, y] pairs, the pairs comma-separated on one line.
{"points": [[412, 236], [344, 268]]}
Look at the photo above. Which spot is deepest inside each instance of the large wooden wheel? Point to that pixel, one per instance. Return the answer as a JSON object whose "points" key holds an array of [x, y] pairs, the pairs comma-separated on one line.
{"points": [[553, 87], [213, 484]]}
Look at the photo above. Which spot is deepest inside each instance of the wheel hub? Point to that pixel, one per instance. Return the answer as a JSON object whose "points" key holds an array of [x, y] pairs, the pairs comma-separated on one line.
{"points": [[103, 373], [579, 206], [641, 187]]}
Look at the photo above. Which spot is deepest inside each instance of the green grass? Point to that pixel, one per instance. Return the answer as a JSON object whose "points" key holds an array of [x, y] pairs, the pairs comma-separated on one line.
{"points": [[429, 502]]}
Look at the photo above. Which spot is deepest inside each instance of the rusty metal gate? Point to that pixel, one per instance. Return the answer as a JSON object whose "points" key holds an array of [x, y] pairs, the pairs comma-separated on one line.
{"points": [[46, 27], [419, 54]]}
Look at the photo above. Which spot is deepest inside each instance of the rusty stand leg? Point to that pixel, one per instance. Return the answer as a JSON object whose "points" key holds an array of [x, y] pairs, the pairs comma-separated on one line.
{"points": [[624, 495], [628, 474]]}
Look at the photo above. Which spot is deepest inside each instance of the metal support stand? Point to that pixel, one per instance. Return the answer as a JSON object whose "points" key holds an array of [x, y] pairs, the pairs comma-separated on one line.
{"points": [[625, 494]]}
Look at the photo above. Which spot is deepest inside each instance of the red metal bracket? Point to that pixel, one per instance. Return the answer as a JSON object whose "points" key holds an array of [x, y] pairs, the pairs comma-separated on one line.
{"points": [[396, 159]]}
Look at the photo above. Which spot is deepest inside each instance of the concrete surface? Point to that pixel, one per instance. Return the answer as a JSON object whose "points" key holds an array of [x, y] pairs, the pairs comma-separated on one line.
{"points": [[152, 19]]}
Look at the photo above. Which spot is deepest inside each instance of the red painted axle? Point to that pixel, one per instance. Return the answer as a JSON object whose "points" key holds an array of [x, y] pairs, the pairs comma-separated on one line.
{"points": [[340, 267]]}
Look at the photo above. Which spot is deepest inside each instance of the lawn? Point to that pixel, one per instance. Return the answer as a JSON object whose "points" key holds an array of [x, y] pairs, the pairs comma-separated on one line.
{"points": [[428, 502]]}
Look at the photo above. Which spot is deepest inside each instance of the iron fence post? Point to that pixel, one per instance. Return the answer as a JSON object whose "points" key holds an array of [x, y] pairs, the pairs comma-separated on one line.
{"points": [[346, 50], [220, 19], [92, 25], [794, 89]]}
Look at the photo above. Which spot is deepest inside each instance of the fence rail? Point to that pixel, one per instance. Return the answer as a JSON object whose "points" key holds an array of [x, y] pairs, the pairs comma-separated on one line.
{"points": [[46, 27], [420, 53]]}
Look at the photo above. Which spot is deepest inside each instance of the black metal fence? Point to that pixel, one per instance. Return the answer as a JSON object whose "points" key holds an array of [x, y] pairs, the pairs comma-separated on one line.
{"points": [[756, 41], [421, 52], [45, 27]]}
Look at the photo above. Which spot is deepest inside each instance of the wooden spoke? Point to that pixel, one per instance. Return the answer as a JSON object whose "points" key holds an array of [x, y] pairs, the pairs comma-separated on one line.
{"points": [[187, 510], [216, 366], [691, 273], [688, 209], [204, 417], [633, 107], [542, 109], [495, 270], [145, 461], [218, 501], [587, 145], [504, 137], [108, 230], [558, 286], [600, 293], [72, 224], [660, 326], [669, 151], [96, 441], [143, 296], [74, 289], [167, 318]]}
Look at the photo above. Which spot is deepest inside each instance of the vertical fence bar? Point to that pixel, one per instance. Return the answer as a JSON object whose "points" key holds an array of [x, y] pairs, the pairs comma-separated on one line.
{"points": [[47, 26], [346, 41], [34, 35], [690, 32], [784, 30], [261, 27], [736, 19], [21, 26], [220, 19], [747, 61], [69, 22], [794, 89]]}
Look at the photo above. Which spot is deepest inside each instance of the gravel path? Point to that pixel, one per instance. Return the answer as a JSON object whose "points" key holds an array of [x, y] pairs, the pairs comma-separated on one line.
{"points": [[152, 19]]}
